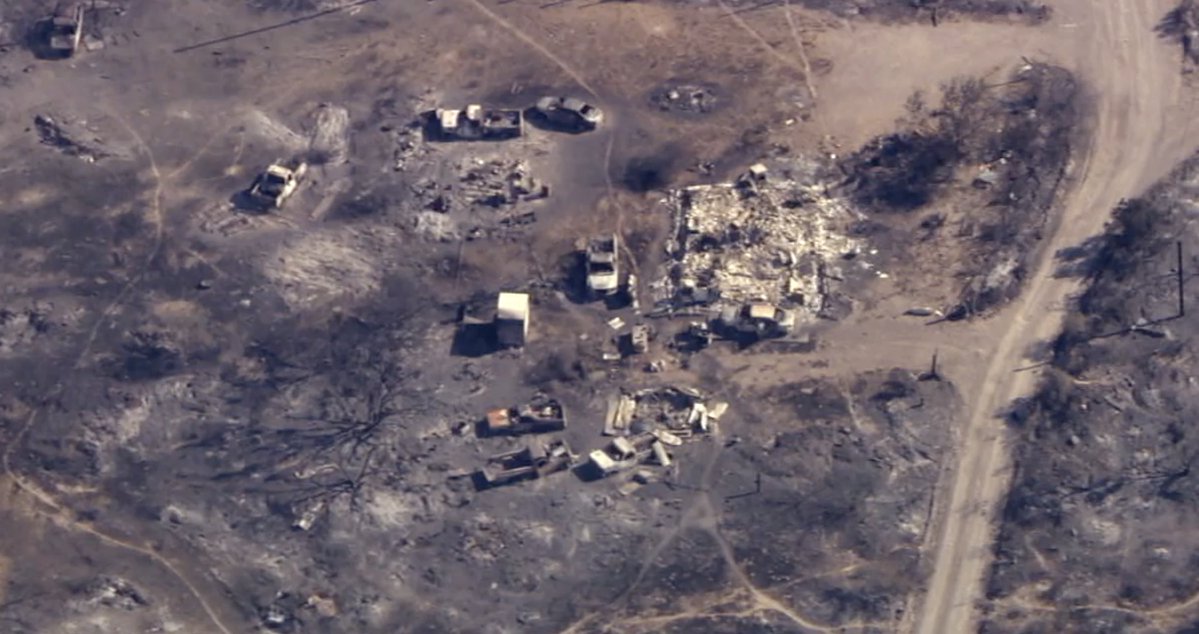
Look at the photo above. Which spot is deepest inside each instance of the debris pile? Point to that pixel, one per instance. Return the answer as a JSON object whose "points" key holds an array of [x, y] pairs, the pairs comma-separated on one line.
{"points": [[685, 98], [765, 238], [681, 411], [481, 197], [498, 182], [75, 137]]}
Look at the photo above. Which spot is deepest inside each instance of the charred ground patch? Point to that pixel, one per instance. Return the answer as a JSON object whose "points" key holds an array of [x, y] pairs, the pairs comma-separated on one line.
{"points": [[1104, 451], [859, 459], [1027, 11], [970, 182]]}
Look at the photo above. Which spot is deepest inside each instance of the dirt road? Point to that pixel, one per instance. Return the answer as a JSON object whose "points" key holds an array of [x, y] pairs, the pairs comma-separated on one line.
{"points": [[1141, 131]]}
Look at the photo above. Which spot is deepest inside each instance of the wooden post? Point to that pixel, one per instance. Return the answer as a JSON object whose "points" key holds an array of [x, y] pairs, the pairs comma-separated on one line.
{"points": [[1181, 298]]}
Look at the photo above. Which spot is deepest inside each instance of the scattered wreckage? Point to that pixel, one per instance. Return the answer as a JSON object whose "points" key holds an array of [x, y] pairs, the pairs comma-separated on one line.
{"points": [[569, 113], [277, 183], [626, 452], [680, 410], [498, 183], [541, 415], [474, 123]]}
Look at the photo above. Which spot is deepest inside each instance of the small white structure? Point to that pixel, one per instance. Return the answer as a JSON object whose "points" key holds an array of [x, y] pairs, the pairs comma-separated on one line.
{"points": [[512, 319]]}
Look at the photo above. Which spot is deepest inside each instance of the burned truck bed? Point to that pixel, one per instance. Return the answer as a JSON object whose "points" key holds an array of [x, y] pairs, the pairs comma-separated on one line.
{"points": [[541, 415], [474, 123]]}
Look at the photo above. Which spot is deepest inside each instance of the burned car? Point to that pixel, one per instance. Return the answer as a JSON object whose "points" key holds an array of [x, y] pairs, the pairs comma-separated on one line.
{"points": [[277, 183], [755, 321], [603, 259], [569, 113], [527, 463]]}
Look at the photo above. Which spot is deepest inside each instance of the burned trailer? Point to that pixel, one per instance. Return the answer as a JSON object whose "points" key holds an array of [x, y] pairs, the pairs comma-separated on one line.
{"points": [[474, 123], [542, 415], [527, 463]]}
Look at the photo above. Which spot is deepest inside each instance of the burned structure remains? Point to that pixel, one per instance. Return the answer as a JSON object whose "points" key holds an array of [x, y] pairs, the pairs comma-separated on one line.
{"points": [[773, 237]]}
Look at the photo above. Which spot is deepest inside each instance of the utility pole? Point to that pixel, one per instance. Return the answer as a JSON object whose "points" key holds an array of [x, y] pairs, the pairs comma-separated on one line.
{"points": [[1182, 309], [932, 374]]}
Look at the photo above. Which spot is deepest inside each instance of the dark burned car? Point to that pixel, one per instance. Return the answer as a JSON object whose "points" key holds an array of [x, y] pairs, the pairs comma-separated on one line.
{"points": [[755, 322], [569, 113], [530, 462]]}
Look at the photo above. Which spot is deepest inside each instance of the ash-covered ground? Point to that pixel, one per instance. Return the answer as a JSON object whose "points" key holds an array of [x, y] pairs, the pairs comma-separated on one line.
{"points": [[221, 418], [1095, 534]]}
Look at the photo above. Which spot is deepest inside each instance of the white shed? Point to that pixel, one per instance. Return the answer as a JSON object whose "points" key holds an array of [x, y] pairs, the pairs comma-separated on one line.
{"points": [[512, 319]]}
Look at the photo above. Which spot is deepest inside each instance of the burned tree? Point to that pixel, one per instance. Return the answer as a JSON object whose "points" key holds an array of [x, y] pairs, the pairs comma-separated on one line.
{"points": [[989, 158]]}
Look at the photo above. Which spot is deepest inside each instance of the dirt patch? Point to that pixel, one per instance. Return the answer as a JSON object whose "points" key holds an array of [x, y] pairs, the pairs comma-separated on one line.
{"points": [[316, 269]]}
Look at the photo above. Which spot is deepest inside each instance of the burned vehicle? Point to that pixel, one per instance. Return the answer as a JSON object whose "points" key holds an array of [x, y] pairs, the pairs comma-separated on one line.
{"points": [[276, 184], [65, 28], [755, 321], [569, 113], [474, 123], [527, 463], [603, 261], [541, 415]]}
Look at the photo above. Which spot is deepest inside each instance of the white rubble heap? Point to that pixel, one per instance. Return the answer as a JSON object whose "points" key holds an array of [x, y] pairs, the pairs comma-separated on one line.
{"points": [[776, 235]]}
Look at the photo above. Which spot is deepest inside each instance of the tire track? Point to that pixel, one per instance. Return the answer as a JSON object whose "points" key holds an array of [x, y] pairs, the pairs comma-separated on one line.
{"points": [[803, 54], [58, 511], [527, 39], [1136, 90], [156, 213], [740, 22]]}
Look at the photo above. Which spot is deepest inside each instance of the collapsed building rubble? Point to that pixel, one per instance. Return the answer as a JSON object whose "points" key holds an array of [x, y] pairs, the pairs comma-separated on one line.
{"points": [[682, 411], [773, 236], [494, 183]]}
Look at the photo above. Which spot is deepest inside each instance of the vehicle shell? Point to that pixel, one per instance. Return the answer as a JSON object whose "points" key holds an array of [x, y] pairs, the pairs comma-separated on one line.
{"points": [[570, 112]]}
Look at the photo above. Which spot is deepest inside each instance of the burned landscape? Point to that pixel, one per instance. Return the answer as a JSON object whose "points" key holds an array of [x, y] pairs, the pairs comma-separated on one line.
{"points": [[1094, 530], [615, 317]]}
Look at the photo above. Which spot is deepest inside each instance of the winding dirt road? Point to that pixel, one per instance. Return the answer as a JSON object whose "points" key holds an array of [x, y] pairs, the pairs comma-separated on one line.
{"points": [[1141, 130]]}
